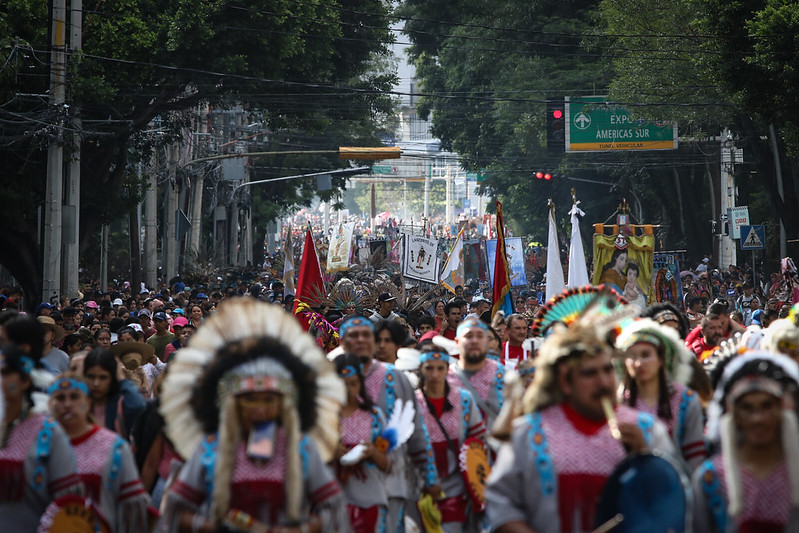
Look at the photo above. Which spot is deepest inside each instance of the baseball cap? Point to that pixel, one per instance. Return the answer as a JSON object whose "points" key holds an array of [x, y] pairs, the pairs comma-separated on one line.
{"points": [[91, 304], [160, 315], [44, 305], [757, 317], [145, 312], [118, 301], [178, 311], [385, 297], [179, 322], [136, 326], [202, 296]]}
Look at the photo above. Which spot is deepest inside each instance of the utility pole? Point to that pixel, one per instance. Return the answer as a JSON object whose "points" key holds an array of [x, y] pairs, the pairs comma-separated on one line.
{"points": [[199, 184], [169, 241], [150, 227], [71, 230], [51, 251], [727, 252]]}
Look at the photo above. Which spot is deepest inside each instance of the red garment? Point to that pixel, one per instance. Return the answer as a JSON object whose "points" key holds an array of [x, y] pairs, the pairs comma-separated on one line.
{"points": [[696, 333], [512, 352], [583, 424], [438, 405], [363, 520], [450, 334]]}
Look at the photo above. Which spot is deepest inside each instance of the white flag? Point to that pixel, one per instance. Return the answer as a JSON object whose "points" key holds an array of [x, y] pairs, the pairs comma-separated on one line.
{"points": [[555, 283], [453, 274], [288, 265], [578, 271]]}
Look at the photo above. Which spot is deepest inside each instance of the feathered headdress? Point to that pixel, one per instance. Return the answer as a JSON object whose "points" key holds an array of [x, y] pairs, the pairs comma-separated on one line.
{"points": [[755, 371], [677, 359], [247, 334], [572, 302]]}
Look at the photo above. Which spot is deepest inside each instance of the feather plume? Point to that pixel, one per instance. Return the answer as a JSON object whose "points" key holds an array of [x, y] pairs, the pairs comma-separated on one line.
{"points": [[234, 321]]}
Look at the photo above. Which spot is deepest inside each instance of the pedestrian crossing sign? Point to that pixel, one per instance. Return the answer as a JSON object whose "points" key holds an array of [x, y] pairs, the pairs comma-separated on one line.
{"points": [[753, 237]]}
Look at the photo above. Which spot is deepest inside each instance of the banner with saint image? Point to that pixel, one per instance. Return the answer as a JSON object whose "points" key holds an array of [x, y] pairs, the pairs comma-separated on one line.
{"points": [[338, 252], [420, 259]]}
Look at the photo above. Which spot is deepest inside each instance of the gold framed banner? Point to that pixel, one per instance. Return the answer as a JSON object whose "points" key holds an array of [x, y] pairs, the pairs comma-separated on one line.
{"points": [[625, 262]]}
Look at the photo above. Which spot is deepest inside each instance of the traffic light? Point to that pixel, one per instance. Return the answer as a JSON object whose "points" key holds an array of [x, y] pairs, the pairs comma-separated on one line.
{"points": [[543, 176], [556, 125]]}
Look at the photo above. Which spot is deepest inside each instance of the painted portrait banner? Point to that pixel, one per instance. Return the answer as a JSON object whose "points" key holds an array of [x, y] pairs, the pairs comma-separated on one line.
{"points": [[476, 264], [666, 273], [338, 252], [624, 262], [420, 260], [514, 250]]}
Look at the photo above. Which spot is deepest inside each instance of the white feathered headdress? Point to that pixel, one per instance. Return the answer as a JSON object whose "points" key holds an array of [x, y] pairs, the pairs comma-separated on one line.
{"points": [[677, 359], [247, 322]]}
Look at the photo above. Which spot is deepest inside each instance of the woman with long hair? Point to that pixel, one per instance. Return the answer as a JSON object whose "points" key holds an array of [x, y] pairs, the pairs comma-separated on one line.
{"points": [[104, 459], [361, 423], [115, 400], [613, 270], [36, 463], [451, 415], [657, 368]]}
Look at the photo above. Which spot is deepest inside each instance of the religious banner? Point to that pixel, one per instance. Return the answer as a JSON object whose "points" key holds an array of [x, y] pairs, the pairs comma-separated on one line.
{"points": [[338, 252], [514, 250], [666, 273], [475, 261], [420, 260], [624, 262]]}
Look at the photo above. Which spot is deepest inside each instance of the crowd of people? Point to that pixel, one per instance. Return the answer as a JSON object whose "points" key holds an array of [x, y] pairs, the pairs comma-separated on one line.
{"points": [[218, 409]]}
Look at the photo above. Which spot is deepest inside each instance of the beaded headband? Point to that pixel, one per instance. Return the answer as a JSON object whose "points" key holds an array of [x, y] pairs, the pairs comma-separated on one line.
{"points": [[261, 375], [64, 384], [426, 357], [470, 323], [355, 322], [348, 371]]}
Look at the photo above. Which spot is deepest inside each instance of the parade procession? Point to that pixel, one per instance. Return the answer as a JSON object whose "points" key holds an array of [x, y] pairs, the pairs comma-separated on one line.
{"points": [[399, 266]]}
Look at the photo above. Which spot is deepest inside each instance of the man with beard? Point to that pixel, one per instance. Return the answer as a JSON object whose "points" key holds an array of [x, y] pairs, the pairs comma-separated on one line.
{"points": [[550, 475], [712, 335], [729, 326], [481, 376], [386, 386]]}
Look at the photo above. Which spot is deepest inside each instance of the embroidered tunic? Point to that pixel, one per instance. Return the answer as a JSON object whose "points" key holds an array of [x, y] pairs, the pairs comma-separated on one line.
{"points": [[551, 473], [364, 483], [766, 502], [686, 425], [487, 386], [256, 489], [112, 483], [385, 385], [36, 468], [461, 421]]}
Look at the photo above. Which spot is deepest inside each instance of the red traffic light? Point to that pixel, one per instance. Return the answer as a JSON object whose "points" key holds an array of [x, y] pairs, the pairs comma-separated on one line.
{"points": [[543, 175], [557, 113], [539, 175], [547, 176]]}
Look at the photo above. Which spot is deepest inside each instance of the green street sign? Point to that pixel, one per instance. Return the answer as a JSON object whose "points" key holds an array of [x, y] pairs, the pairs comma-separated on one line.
{"points": [[476, 176], [595, 125], [381, 169]]}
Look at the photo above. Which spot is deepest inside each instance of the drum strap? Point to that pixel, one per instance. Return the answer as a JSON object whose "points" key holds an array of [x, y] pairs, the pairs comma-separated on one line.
{"points": [[43, 442], [543, 463], [685, 399], [389, 382], [711, 486]]}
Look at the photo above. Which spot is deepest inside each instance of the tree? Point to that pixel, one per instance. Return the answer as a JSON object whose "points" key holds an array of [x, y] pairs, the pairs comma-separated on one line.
{"points": [[711, 64], [305, 66], [485, 76]]}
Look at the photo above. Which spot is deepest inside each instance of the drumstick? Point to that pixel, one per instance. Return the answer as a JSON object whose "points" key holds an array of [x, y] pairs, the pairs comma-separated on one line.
{"points": [[610, 414], [610, 524]]}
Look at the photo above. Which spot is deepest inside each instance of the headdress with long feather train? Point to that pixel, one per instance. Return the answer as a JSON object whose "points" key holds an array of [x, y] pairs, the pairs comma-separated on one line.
{"points": [[242, 321]]}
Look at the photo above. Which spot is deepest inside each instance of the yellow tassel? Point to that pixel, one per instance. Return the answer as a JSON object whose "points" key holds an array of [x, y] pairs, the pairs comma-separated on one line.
{"points": [[431, 516]]}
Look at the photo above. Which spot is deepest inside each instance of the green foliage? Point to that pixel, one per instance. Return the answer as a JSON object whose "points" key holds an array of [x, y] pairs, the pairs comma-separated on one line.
{"points": [[312, 67]]}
